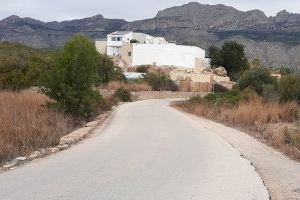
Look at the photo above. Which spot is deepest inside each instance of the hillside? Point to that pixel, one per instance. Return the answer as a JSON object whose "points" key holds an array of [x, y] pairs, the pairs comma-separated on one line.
{"points": [[274, 40], [20, 66]]}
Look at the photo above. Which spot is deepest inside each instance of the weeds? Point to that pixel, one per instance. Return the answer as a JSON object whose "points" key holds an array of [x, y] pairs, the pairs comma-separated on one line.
{"points": [[26, 125], [251, 112]]}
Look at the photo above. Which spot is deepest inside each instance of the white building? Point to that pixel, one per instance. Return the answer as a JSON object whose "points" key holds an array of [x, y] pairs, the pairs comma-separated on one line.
{"points": [[142, 49], [116, 40]]}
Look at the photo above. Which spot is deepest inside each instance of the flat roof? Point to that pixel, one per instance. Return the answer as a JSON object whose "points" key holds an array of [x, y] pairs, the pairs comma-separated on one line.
{"points": [[120, 33]]}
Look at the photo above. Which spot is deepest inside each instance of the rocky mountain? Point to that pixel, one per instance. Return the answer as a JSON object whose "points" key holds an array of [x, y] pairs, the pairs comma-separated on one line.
{"points": [[53, 34], [274, 40]]}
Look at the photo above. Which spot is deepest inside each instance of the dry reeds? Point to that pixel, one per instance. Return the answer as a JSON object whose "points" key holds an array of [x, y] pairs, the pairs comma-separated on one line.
{"points": [[26, 125], [256, 115], [134, 86]]}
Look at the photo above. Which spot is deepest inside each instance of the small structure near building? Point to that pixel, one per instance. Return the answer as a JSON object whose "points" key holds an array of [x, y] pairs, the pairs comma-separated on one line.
{"points": [[134, 75], [136, 49]]}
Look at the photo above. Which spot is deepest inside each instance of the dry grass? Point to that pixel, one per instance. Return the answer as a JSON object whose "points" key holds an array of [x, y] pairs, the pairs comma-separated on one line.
{"points": [[256, 115], [26, 125], [136, 87]]}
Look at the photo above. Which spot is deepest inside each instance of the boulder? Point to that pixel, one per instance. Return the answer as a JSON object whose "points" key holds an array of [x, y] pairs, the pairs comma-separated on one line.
{"points": [[220, 71], [34, 155]]}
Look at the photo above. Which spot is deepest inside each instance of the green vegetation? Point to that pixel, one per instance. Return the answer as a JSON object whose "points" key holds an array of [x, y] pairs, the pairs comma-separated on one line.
{"points": [[289, 87], [107, 71], [256, 78], [160, 82], [229, 98], [143, 69], [232, 57], [21, 66], [123, 95], [70, 82]]}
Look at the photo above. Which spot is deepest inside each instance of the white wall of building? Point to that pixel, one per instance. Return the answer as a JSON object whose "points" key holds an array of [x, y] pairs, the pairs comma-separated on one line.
{"points": [[167, 54], [115, 42]]}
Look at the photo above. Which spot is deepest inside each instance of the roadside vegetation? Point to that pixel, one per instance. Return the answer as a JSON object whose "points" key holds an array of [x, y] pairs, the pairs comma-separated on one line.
{"points": [[134, 86], [21, 66], [47, 94], [27, 124], [260, 104]]}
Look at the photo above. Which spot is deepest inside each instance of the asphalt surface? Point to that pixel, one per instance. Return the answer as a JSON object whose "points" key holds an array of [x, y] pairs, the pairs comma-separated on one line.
{"points": [[148, 151]]}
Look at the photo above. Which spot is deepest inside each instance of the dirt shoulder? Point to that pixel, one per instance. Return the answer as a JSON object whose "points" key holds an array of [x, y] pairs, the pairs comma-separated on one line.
{"points": [[280, 174]]}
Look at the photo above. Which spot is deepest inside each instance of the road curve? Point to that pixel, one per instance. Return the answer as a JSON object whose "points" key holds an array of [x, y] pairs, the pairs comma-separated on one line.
{"points": [[149, 151]]}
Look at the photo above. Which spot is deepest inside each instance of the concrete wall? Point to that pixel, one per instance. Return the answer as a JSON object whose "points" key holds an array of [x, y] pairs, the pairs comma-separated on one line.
{"points": [[126, 54], [166, 55], [101, 46]]}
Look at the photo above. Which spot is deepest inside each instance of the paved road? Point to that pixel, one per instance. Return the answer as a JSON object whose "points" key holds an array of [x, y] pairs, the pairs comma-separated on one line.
{"points": [[149, 151]]}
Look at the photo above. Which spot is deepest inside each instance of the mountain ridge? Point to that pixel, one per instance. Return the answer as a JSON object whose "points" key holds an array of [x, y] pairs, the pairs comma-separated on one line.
{"points": [[275, 40]]}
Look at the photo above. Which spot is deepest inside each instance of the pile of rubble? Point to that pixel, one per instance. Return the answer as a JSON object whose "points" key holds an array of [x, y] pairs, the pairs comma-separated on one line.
{"points": [[200, 79]]}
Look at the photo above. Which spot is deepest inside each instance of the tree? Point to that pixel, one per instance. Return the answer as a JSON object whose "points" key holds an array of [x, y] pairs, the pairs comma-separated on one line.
{"points": [[216, 56], [71, 80], [234, 59], [107, 70], [289, 87], [256, 78]]}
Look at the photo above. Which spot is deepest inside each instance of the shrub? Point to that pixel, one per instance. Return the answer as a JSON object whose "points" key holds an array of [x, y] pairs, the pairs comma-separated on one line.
{"points": [[130, 85], [160, 82], [70, 82], [143, 69], [230, 98], [270, 93], [107, 71], [256, 78], [123, 95], [289, 88]]}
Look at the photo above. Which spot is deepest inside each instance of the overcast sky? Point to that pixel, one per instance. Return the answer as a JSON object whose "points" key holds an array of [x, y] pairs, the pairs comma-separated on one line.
{"points": [[50, 10]]}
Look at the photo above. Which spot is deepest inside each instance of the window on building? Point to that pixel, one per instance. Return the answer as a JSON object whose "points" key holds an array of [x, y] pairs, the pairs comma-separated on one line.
{"points": [[129, 53], [113, 39], [119, 38]]}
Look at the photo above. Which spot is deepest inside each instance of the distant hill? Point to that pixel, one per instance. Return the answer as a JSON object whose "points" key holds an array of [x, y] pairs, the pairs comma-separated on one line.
{"points": [[53, 34], [274, 40]]}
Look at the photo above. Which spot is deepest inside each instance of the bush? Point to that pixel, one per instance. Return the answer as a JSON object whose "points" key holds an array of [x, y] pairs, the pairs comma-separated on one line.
{"points": [[160, 82], [107, 71], [123, 95], [133, 85], [143, 69], [270, 93], [289, 88], [70, 82], [230, 98], [256, 78]]}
